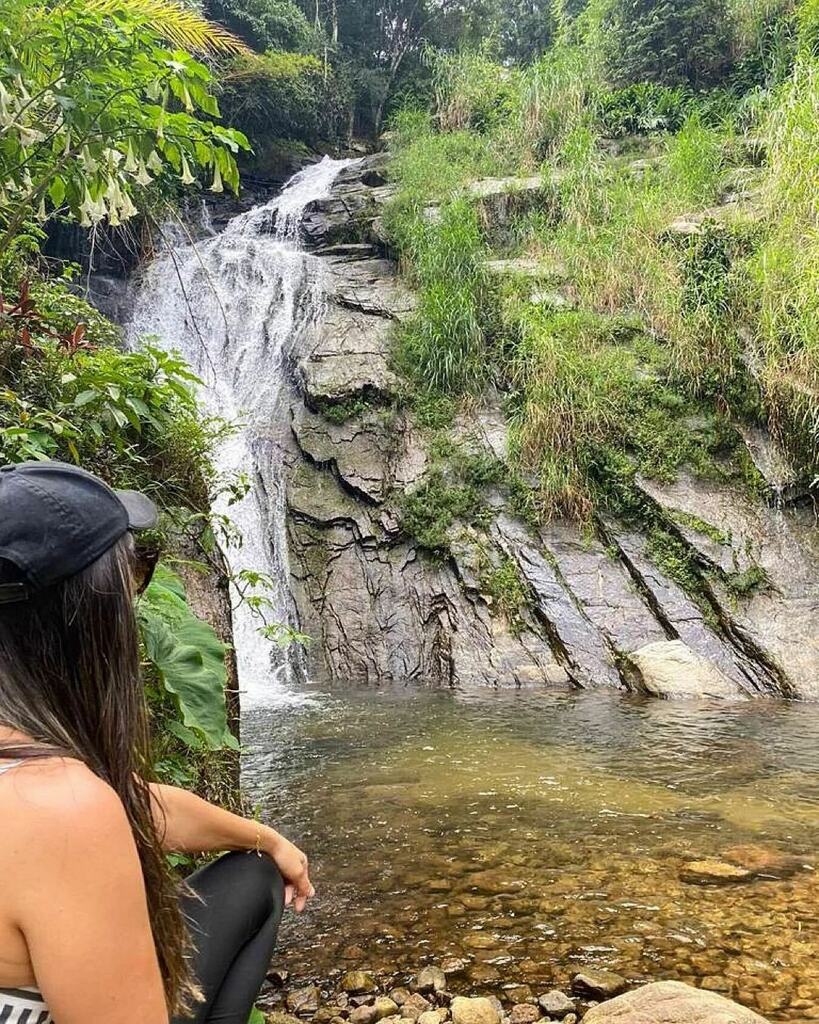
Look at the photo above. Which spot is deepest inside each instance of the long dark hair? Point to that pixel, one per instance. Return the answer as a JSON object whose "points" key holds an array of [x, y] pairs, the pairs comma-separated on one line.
{"points": [[70, 679]]}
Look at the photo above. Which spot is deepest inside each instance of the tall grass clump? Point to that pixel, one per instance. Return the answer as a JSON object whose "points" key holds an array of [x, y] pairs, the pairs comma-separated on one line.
{"points": [[785, 271], [442, 348], [593, 404]]}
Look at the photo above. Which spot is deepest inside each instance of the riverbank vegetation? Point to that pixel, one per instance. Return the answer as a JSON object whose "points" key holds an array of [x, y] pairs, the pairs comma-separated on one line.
{"points": [[645, 281], [104, 118]]}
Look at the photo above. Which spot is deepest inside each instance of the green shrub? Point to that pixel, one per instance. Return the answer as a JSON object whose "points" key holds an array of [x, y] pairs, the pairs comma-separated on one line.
{"points": [[669, 42], [643, 109]]}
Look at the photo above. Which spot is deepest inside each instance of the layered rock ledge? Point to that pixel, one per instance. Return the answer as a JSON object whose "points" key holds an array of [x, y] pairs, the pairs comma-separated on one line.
{"points": [[598, 610]]}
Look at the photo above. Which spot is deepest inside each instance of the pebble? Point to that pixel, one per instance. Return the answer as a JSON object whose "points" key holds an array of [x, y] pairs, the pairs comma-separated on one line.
{"points": [[364, 1015], [523, 1013], [358, 982], [480, 940], [278, 977], [303, 1001], [474, 1011], [454, 964], [414, 1005], [434, 1016], [385, 1007], [430, 979], [556, 1004], [598, 984], [400, 995], [713, 872]]}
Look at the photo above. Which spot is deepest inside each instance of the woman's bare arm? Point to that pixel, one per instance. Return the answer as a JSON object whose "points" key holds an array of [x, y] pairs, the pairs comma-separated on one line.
{"points": [[189, 824], [80, 899]]}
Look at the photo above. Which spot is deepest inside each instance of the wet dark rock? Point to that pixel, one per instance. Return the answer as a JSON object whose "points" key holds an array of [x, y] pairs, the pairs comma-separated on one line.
{"points": [[671, 1002], [765, 862], [303, 1001], [593, 984], [358, 983], [556, 1004], [430, 979], [278, 977]]}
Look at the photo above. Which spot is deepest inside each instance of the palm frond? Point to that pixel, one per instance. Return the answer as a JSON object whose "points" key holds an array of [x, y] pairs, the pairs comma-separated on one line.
{"points": [[180, 25]]}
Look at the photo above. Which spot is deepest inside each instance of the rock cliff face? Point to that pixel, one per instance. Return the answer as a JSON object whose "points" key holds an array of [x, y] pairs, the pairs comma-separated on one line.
{"points": [[598, 611]]}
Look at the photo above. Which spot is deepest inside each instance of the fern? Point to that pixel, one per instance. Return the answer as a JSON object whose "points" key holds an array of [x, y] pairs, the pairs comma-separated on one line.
{"points": [[180, 25]]}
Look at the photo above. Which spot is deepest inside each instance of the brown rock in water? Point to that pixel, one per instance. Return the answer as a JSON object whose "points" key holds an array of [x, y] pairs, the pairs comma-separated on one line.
{"points": [[356, 983], [524, 1013], [454, 964], [713, 872], [400, 995], [385, 1007], [556, 1004], [474, 1011], [518, 994], [671, 1002], [765, 862], [303, 1001], [495, 883], [414, 1005], [598, 984], [480, 940]]}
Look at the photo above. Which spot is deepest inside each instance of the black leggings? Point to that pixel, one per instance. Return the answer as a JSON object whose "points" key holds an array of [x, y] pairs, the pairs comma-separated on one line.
{"points": [[233, 919]]}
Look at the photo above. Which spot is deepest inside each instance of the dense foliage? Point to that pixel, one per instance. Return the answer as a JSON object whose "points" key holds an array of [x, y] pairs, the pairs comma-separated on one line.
{"points": [[650, 317], [102, 116], [95, 110]]}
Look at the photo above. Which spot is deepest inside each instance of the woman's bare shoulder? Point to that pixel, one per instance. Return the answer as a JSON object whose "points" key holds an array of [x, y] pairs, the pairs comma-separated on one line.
{"points": [[57, 795]]}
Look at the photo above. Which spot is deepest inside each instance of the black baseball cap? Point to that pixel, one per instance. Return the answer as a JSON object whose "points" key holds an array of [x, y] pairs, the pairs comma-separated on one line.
{"points": [[56, 519]]}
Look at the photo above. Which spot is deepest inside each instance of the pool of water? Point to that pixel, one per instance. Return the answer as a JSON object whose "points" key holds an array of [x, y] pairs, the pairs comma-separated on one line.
{"points": [[531, 834]]}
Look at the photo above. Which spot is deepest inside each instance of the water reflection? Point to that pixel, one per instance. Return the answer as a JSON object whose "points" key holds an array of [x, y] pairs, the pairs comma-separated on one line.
{"points": [[530, 833]]}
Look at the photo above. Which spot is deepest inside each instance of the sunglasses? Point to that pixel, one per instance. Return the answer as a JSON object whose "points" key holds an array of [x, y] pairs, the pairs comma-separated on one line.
{"points": [[143, 565]]}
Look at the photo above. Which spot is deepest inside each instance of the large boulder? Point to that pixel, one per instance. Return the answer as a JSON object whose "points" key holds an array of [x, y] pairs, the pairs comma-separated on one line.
{"points": [[669, 668], [671, 1002]]}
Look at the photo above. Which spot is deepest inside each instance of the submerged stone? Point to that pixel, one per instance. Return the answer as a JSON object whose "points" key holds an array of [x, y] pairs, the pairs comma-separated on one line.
{"points": [[713, 872]]}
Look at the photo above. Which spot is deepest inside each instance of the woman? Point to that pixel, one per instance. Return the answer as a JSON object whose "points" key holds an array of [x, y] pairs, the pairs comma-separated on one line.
{"points": [[92, 930]]}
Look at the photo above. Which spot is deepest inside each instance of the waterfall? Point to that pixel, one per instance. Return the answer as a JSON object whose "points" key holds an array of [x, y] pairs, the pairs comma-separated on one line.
{"points": [[234, 305]]}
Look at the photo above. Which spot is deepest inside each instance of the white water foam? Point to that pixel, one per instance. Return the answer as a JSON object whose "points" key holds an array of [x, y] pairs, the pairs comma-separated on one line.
{"points": [[233, 304]]}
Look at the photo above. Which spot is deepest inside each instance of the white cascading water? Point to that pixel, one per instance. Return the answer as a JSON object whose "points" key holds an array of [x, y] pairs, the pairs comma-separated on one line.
{"points": [[234, 304]]}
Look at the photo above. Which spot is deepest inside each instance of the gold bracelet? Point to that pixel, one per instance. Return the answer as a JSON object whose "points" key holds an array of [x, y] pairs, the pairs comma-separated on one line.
{"points": [[258, 839]]}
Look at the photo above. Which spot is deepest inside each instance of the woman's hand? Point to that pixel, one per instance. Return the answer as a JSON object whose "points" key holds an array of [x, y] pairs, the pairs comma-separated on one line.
{"points": [[294, 867]]}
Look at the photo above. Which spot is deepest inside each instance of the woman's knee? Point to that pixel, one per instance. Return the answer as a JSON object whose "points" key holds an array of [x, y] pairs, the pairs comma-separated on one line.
{"points": [[251, 878]]}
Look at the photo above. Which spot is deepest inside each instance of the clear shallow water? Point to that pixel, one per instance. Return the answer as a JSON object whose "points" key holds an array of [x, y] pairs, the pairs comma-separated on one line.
{"points": [[533, 834]]}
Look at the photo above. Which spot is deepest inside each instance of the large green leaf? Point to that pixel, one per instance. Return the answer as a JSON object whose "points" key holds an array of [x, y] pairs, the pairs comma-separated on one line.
{"points": [[188, 656]]}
